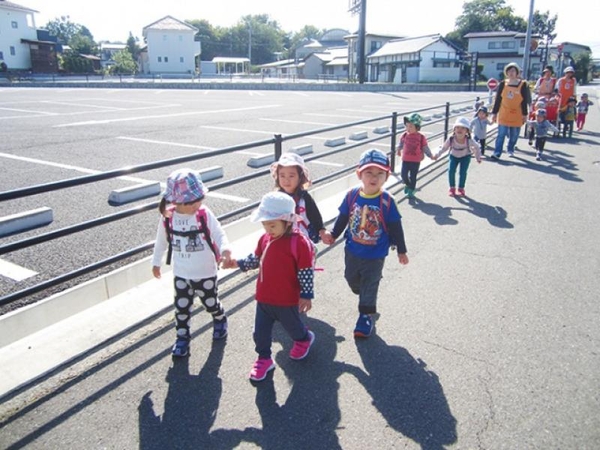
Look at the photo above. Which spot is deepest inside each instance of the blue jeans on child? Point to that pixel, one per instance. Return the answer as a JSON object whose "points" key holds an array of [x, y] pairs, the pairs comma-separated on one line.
{"points": [[363, 277], [463, 166], [503, 132], [265, 318]]}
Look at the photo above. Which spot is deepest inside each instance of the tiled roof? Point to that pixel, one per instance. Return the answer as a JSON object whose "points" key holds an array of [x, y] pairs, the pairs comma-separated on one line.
{"points": [[169, 23], [403, 46], [11, 5]]}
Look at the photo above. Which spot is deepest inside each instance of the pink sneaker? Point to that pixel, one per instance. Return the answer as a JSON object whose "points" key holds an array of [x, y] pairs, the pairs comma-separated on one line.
{"points": [[452, 192], [301, 348], [261, 368], [461, 192]]}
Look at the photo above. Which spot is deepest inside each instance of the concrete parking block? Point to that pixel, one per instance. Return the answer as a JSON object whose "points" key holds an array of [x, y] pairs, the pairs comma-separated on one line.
{"points": [[16, 223]]}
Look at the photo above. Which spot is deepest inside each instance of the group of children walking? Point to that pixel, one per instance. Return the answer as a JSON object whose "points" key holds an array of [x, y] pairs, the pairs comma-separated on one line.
{"points": [[284, 255]]}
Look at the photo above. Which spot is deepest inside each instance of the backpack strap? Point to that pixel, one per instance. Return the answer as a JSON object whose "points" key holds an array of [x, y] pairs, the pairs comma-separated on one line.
{"points": [[202, 228]]}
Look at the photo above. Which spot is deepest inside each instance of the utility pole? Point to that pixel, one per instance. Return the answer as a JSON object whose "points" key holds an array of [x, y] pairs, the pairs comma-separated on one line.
{"points": [[249, 44], [360, 7], [527, 49]]}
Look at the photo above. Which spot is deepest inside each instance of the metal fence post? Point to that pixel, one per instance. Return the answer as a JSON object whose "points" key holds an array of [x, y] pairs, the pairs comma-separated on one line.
{"points": [[446, 121], [393, 141], [278, 146]]}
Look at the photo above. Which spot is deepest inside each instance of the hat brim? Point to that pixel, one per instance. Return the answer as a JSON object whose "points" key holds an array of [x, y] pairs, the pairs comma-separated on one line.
{"points": [[372, 164], [259, 215]]}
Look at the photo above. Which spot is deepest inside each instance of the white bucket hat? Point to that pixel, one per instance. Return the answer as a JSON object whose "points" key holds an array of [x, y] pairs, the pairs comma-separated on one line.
{"points": [[275, 206], [288, 160], [462, 122], [569, 69]]}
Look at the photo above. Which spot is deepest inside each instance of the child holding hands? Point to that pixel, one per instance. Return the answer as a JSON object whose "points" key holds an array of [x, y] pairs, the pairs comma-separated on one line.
{"points": [[197, 243], [461, 147], [412, 148], [292, 177], [284, 287], [372, 224]]}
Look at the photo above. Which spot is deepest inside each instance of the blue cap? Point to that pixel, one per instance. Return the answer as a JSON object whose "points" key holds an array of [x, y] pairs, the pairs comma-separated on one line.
{"points": [[374, 158]]}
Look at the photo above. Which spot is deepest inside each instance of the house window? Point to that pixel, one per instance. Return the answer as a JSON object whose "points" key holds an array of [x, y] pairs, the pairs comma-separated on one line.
{"points": [[500, 66], [493, 45], [375, 45], [166, 59], [181, 59], [508, 44], [180, 38], [14, 24], [164, 37], [441, 64], [13, 52], [160, 59]]}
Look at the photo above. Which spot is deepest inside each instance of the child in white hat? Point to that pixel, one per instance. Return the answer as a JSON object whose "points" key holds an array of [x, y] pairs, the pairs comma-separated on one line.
{"points": [[461, 148], [197, 244], [284, 288]]}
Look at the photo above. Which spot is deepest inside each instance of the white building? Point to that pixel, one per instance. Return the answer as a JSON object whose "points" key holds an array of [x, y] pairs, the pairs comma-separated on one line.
{"points": [[373, 42], [16, 23], [171, 47], [415, 60], [329, 64], [495, 49]]}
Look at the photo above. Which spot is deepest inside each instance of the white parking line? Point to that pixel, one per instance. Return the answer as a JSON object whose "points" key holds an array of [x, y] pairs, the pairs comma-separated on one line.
{"points": [[240, 130], [15, 272], [325, 163], [29, 111], [81, 104], [67, 166], [337, 115], [161, 116], [301, 122], [173, 144], [232, 198]]}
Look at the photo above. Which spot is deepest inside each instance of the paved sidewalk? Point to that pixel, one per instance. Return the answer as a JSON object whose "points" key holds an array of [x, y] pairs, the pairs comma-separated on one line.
{"points": [[487, 339]]}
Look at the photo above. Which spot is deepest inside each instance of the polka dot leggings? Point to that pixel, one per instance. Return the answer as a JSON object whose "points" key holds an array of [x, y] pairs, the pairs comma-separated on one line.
{"points": [[185, 291]]}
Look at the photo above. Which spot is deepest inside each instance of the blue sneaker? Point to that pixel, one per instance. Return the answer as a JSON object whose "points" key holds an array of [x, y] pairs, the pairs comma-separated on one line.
{"points": [[181, 348], [219, 329], [364, 326]]}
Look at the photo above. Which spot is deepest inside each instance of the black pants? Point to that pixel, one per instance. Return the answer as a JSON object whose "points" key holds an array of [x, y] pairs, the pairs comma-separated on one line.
{"points": [[481, 145], [540, 143], [409, 173], [568, 128]]}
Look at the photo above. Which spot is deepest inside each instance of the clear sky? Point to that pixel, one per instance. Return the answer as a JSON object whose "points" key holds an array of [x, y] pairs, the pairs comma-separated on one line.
{"points": [[113, 19]]}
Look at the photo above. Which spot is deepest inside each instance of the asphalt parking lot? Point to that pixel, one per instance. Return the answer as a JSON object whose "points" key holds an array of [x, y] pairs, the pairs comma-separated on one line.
{"points": [[54, 134]]}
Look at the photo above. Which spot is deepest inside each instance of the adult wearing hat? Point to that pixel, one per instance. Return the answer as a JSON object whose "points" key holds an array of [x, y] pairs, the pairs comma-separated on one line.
{"points": [[544, 87], [510, 108], [566, 89]]}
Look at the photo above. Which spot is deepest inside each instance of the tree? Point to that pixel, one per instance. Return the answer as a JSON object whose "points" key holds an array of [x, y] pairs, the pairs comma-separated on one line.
{"points": [[485, 15], [133, 46], [63, 29], [124, 63], [295, 40], [83, 44], [543, 25], [71, 61], [583, 67]]}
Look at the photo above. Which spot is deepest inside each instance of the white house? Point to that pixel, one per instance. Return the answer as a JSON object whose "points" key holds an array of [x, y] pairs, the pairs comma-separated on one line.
{"points": [[495, 49], [332, 63], [17, 23], [373, 42], [415, 60], [171, 46]]}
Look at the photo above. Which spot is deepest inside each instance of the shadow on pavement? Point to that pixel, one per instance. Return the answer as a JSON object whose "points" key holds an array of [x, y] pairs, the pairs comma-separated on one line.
{"points": [[442, 215], [190, 406], [407, 394], [310, 415], [495, 215], [554, 163]]}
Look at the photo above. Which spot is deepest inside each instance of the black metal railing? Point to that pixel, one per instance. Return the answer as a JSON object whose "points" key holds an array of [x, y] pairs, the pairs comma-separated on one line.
{"points": [[276, 141]]}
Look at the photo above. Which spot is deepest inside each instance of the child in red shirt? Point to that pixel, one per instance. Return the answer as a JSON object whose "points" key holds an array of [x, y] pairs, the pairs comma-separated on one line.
{"points": [[412, 149], [284, 287]]}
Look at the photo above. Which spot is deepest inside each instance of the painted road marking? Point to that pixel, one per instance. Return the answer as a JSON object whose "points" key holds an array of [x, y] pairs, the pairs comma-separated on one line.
{"points": [[301, 122], [337, 115], [29, 111], [161, 116], [15, 272], [81, 104], [325, 163], [240, 130], [173, 144]]}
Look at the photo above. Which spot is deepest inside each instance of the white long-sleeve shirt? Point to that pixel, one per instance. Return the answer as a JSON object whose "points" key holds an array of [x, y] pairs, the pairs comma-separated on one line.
{"points": [[192, 259]]}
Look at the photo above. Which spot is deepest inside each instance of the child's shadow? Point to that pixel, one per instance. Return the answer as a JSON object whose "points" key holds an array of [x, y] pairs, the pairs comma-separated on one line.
{"points": [[495, 215], [308, 418], [190, 406], [442, 215], [407, 394]]}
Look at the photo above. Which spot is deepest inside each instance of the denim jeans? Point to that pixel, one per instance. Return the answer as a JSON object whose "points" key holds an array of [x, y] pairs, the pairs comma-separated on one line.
{"points": [[463, 165], [264, 319], [503, 132]]}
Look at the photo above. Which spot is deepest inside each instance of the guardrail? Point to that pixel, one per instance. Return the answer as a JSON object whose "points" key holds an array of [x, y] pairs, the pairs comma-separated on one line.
{"points": [[277, 142]]}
